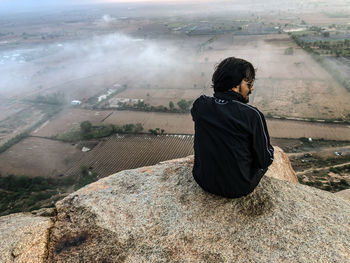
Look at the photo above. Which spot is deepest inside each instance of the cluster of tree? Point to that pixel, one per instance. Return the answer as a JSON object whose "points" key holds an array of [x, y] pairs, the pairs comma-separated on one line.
{"points": [[183, 106], [25, 193], [156, 131], [89, 131], [86, 177], [339, 48], [22, 193], [331, 47]]}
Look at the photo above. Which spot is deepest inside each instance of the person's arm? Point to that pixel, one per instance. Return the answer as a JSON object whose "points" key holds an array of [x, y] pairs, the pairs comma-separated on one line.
{"points": [[194, 109], [262, 148]]}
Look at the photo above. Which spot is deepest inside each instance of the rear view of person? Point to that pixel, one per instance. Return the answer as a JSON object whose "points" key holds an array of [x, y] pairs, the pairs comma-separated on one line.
{"points": [[231, 145]]}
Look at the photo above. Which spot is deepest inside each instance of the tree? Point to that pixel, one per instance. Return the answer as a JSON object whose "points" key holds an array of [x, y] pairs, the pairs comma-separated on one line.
{"points": [[128, 128], [138, 128], [326, 34], [184, 105], [156, 131], [86, 177], [171, 105], [140, 104], [153, 131], [85, 127]]}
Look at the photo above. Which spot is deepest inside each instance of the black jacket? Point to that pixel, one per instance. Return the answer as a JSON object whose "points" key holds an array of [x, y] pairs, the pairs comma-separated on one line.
{"points": [[231, 144]]}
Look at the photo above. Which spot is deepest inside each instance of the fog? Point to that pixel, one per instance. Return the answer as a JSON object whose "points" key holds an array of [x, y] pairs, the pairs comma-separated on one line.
{"points": [[47, 66], [33, 68]]}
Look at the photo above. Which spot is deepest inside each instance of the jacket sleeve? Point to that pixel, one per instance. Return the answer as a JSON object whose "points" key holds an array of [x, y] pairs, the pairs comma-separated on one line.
{"points": [[262, 148], [194, 109]]}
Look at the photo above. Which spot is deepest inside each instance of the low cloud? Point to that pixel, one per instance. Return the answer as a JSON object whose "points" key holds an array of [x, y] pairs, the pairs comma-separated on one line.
{"points": [[48, 66]]}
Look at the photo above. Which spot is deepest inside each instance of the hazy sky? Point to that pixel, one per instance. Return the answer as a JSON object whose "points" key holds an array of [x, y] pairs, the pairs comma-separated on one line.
{"points": [[38, 3], [32, 5]]}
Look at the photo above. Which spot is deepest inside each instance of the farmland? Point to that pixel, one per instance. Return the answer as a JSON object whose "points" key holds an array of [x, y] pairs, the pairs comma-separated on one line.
{"points": [[67, 120], [183, 124], [301, 88], [38, 157], [18, 122], [122, 152]]}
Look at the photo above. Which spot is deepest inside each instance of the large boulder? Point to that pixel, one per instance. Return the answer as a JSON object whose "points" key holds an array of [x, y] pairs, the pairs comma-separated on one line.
{"points": [[24, 238], [159, 214], [281, 168]]}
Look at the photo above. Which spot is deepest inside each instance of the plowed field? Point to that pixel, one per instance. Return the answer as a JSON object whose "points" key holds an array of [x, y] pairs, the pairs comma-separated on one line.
{"points": [[119, 153], [38, 157]]}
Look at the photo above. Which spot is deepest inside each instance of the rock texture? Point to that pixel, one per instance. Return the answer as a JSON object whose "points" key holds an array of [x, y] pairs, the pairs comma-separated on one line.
{"points": [[159, 214], [281, 167], [23, 238], [345, 194]]}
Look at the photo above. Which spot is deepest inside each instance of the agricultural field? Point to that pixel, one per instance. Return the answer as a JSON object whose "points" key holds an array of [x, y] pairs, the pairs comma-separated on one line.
{"points": [[287, 85], [18, 121], [342, 66], [171, 123], [39, 157], [329, 16], [10, 107], [122, 152], [183, 124], [298, 129], [67, 120], [292, 85], [327, 170], [70, 119], [332, 179]]}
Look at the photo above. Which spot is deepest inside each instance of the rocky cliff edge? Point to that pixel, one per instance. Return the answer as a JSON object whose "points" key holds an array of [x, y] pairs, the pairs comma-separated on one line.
{"points": [[159, 214]]}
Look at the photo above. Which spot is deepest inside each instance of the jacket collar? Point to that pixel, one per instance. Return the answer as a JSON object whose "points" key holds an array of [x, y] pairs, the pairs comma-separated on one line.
{"points": [[229, 95]]}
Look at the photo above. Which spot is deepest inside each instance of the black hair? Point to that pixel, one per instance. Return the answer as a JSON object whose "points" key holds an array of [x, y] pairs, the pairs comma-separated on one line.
{"points": [[230, 73]]}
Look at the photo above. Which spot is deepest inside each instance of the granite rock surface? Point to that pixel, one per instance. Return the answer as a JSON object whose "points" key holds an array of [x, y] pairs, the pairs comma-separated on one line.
{"points": [[344, 193], [24, 238], [159, 214]]}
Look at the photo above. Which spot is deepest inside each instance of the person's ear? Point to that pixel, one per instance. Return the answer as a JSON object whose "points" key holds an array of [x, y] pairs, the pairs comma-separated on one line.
{"points": [[236, 89]]}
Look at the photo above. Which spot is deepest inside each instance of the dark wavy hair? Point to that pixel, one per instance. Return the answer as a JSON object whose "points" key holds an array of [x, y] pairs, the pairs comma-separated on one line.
{"points": [[230, 72]]}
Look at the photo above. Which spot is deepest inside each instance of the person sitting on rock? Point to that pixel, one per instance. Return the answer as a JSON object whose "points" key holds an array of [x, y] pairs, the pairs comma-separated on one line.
{"points": [[232, 147]]}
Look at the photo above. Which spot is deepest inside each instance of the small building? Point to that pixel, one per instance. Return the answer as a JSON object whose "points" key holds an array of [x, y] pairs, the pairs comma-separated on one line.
{"points": [[75, 102]]}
